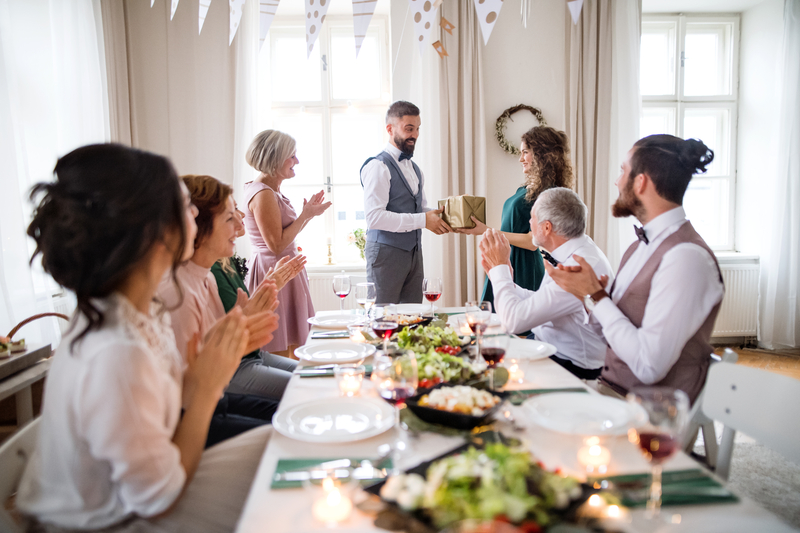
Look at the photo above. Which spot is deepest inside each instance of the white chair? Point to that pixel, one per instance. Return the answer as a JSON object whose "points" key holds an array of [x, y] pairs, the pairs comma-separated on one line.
{"points": [[14, 454], [698, 421], [756, 402]]}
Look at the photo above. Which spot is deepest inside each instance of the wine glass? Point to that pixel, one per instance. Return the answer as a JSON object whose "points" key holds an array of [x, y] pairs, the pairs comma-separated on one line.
{"points": [[396, 376], [661, 436], [478, 315], [365, 297], [432, 290], [341, 288], [384, 323]]}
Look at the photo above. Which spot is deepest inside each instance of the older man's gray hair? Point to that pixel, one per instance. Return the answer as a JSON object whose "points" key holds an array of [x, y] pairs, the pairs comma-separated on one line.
{"points": [[565, 211]]}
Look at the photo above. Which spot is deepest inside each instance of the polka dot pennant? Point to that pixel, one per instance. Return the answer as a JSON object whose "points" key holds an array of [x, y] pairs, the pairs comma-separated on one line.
{"points": [[267, 9], [173, 8], [315, 16], [236, 8], [362, 14], [201, 14], [575, 9], [487, 12], [423, 13]]}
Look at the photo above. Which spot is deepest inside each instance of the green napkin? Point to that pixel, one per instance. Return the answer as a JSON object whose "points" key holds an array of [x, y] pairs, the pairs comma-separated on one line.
{"points": [[679, 487], [516, 397], [296, 465], [313, 372]]}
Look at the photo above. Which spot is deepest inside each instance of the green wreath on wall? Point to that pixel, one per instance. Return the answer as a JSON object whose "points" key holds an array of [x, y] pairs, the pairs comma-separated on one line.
{"points": [[500, 126]]}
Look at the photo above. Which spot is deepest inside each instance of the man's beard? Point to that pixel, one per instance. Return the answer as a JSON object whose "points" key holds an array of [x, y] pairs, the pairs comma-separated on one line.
{"points": [[627, 204], [406, 145]]}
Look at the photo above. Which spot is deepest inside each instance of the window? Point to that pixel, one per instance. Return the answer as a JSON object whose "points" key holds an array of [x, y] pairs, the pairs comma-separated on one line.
{"points": [[689, 78], [334, 106]]}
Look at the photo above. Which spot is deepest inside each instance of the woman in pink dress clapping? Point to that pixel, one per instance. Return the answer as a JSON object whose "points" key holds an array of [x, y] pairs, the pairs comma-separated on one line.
{"points": [[272, 225]]}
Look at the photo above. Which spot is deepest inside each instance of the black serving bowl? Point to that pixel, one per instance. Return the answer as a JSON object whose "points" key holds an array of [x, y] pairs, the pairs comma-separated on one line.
{"points": [[447, 418]]}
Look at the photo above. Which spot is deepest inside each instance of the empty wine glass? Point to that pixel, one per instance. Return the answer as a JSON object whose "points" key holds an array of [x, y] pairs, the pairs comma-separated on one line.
{"points": [[341, 288], [432, 290], [365, 297], [384, 323], [667, 411], [478, 315]]}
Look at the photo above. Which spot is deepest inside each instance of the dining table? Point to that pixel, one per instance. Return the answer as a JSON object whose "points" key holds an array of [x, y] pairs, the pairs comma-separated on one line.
{"points": [[290, 509]]}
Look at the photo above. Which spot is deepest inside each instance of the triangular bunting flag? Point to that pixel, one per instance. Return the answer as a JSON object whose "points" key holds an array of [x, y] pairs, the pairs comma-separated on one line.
{"points": [[236, 8], [575, 7], [362, 14], [267, 8], [201, 14], [423, 13], [152, 2], [447, 25], [487, 11], [315, 16], [174, 7]]}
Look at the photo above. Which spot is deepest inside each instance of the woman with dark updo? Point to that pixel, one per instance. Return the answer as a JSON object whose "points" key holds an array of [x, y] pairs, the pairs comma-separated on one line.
{"points": [[114, 449]]}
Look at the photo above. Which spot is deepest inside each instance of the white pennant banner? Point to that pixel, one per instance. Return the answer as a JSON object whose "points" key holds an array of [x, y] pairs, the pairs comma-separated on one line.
{"points": [[315, 16], [424, 13], [575, 7], [362, 14], [201, 14], [236, 9], [174, 7], [267, 10], [152, 2], [487, 11]]}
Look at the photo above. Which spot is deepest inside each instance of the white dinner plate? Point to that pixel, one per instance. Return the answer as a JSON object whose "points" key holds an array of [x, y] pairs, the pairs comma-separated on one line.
{"points": [[529, 349], [334, 420], [414, 309], [334, 321], [584, 414], [341, 351]]}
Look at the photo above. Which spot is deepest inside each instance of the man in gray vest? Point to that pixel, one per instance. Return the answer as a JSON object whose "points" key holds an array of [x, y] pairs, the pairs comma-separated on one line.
{"points": [[396, 211], [658, 315]]}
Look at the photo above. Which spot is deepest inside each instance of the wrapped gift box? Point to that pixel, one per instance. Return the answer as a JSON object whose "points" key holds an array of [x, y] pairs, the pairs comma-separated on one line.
{"points": [[459, 209]]}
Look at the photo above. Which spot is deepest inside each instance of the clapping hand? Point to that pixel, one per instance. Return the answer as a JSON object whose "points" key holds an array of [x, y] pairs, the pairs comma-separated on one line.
{"points": [[314, 206], [264, 298], [495, 250], [579, 280], [286, 269], [210, 369]]}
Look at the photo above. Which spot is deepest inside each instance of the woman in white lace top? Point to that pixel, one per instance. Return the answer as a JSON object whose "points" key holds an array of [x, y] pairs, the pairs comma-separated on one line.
{"points": [[114, 451]]}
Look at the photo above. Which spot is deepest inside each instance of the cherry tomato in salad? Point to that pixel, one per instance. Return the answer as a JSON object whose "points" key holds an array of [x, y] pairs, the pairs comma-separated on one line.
{"points": [[530, 527]]}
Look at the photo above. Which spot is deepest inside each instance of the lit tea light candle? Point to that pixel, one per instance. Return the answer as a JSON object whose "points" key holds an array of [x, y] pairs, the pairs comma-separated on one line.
{"points": [[356, 334], [333, 507], [594, 457], [349, 378], [515, 372]]}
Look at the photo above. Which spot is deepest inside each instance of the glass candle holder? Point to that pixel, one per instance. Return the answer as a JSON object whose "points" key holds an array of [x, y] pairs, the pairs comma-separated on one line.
{"points": [[357, 333], [515, 372], [594, 457], [349, 378], [331, 502]]}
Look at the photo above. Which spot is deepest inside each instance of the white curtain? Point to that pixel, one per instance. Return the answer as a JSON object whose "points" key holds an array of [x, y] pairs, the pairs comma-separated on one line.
{"points": [[602, 109], [52, 100], [780, 270]]}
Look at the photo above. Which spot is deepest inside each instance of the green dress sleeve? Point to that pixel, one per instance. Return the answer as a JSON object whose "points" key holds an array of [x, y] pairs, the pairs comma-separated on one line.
{"points": [[228, 285]]}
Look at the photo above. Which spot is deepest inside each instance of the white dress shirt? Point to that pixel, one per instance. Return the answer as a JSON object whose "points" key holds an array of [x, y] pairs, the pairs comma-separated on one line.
{"points": [[111, 406], [554, 315], [683, 291], [376, 179]]}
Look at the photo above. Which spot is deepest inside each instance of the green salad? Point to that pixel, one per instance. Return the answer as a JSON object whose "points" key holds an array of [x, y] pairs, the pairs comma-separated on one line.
{"points": [[435, 363]]}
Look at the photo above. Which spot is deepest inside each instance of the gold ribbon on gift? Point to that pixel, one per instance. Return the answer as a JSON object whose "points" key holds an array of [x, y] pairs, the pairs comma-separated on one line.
{"points": [[459, 209]]}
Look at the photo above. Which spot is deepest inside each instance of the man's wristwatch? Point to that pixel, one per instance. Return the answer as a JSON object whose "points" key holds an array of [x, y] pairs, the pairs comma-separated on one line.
{"points": [[591, 300]]}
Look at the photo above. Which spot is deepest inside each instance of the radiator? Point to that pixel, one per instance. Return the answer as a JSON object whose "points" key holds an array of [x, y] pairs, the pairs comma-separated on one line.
{"points": [[738, 315], [320, 284]]}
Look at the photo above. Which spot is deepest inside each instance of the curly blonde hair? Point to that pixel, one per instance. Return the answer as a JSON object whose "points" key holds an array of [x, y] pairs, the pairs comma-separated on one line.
{"points": [[551, 165]]}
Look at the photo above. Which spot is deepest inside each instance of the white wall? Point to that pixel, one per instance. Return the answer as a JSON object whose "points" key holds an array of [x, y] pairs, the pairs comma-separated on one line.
{"points": [[759, 103]]}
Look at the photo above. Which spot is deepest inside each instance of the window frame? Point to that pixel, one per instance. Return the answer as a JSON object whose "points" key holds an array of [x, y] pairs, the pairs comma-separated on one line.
{"points": [[681, 102], [328, 106]]}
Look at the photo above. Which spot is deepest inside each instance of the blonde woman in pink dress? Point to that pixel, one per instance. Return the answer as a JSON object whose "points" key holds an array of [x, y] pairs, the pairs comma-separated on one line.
{"points": [[272, 225]]}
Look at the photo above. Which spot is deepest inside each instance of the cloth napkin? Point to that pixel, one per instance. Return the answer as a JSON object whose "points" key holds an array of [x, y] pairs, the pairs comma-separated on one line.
{"points": [[297, 465], [516, 397], [314, 372], [679, 487]]}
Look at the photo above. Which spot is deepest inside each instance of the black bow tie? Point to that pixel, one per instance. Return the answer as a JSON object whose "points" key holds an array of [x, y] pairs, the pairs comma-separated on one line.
{"points": [[404, 155], [549, 258], [640, 234]]}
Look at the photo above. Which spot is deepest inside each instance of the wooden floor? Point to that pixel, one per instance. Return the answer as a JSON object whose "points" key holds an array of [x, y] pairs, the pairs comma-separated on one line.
{"points": [[786, 362]]}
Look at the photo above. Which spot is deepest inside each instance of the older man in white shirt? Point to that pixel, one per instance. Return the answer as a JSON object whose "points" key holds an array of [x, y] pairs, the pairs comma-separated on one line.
{"points": [[558, 222], [658, 315]]}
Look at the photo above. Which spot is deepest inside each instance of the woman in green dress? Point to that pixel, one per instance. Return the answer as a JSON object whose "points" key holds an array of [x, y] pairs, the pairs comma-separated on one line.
{"points": [[544, 154]]}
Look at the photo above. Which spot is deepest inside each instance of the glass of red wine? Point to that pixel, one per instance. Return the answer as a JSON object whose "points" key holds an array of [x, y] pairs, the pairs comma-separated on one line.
{"points": [[478, 315], [384, 323], [341, 288], [668, 413], [432, 290], [396, 376]]}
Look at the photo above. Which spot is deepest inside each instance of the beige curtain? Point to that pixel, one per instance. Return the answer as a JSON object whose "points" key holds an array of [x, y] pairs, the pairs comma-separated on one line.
{"points": [[462, 143], [602, 107], [177, 93]]}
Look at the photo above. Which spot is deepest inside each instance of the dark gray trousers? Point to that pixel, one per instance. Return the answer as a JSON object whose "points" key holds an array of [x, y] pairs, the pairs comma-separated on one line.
{"points": [[397, 274]]}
